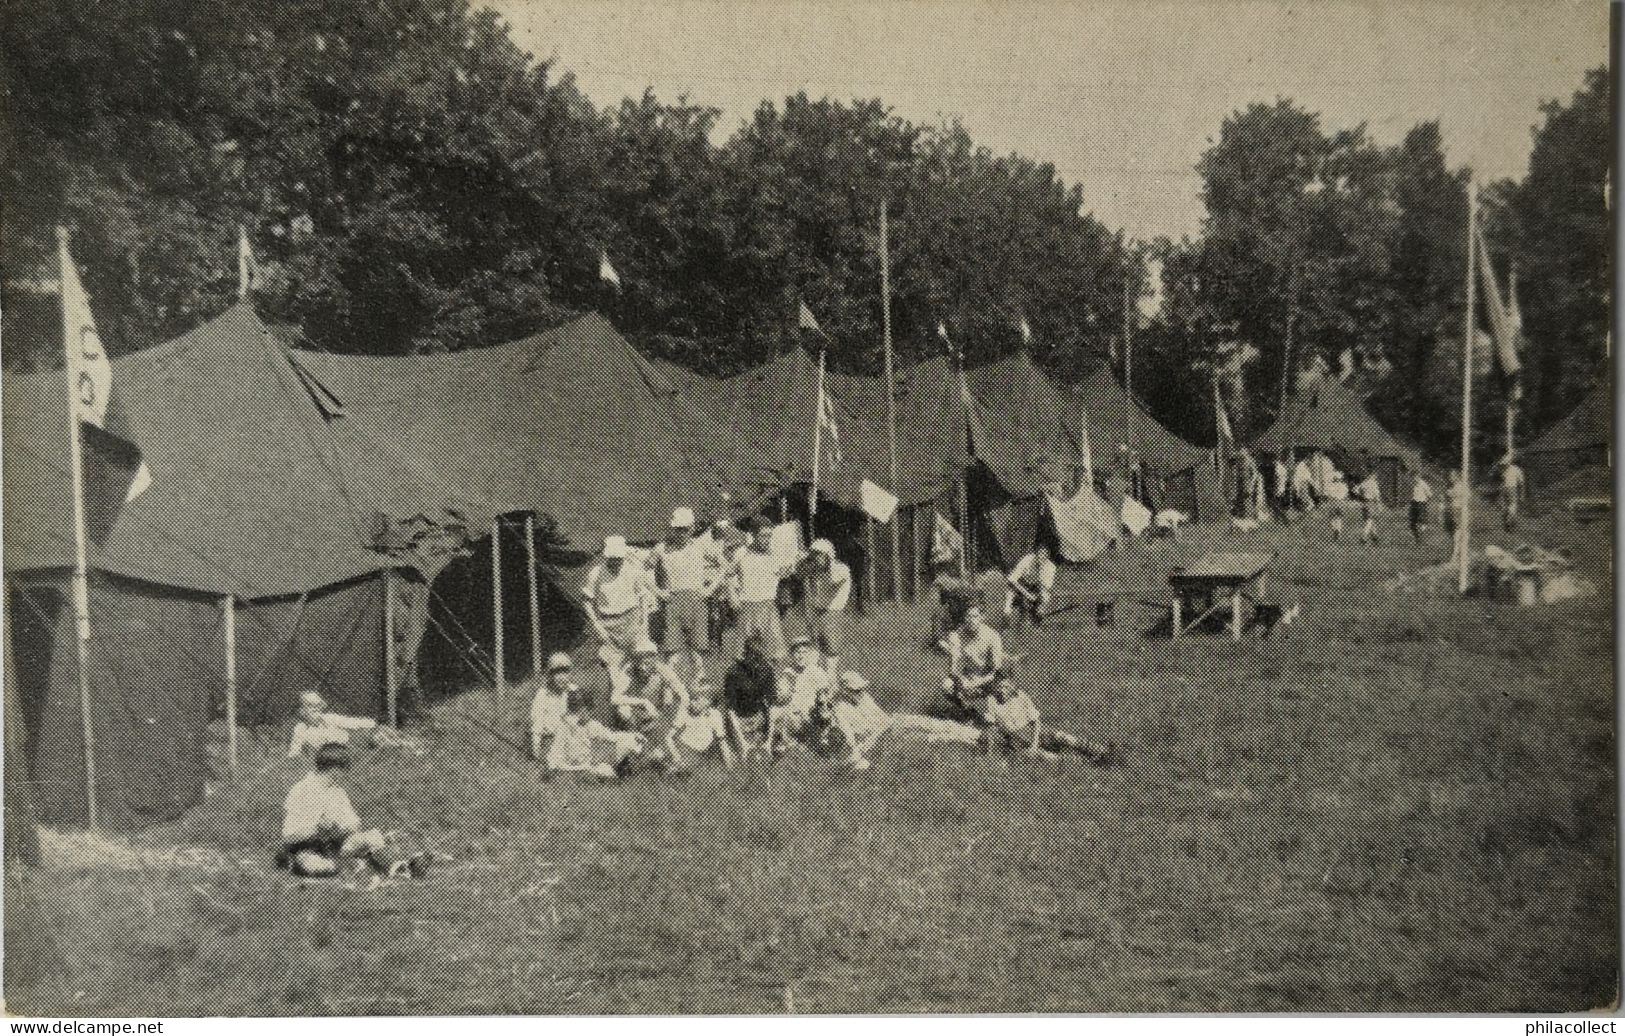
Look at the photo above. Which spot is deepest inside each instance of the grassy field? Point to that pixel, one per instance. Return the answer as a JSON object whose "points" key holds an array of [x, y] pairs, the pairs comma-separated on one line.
{"points": [[1402, 803]]}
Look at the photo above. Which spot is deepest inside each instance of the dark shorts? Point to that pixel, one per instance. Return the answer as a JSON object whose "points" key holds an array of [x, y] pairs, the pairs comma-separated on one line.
{"points": [[688, 622], [827, 629]]}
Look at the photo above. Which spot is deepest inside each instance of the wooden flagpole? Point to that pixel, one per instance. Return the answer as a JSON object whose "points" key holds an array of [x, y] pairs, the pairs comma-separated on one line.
{"points": [[81, 567], [1464, 531], [891, 401], [818, 445], [496, 610], [228, 612], [535, 596], [392, 673]]}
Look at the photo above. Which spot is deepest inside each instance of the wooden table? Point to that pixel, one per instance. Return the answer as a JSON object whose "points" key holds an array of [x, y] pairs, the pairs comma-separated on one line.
{"points": [[1214, 578]]}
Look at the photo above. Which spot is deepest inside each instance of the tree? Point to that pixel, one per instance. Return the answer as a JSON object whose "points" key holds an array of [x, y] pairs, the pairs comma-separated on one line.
{"points": [[1560, 238]]}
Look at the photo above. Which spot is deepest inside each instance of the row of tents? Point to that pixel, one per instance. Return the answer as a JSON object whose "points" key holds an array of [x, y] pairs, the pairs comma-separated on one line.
{"points": [[321, 521]]}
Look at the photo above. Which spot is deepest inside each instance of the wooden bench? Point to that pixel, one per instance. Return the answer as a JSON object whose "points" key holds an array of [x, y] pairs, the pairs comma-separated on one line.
{"points": [[1213, 580]]}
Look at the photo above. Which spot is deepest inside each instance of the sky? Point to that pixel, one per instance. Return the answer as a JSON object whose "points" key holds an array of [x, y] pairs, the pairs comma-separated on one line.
{"points": [[1121, 95]]}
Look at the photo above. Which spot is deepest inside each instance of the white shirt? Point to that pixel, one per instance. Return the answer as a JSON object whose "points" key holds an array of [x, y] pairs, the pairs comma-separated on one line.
{"points": [[840, 585], [758, 573], [803, 687], [698, 734], [333, 729], [1421, 492], [314, 803], [547, 710], [1030, 568], [572, 747], [614, 595], [687, 567]]}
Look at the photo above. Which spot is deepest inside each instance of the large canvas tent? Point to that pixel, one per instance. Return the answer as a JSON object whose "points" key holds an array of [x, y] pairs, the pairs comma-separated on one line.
{"points": [[1583, 438], [1329, 416], [572, 422], [1120, 425], [254, 505]]}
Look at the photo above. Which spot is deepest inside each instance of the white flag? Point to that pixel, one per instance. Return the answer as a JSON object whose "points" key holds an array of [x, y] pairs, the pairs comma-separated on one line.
{"points": [[88, 370], [876, 502]]}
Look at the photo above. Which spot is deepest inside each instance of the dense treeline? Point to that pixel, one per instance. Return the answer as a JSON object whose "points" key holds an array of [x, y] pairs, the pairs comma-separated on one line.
{"points": [[411, 180]]}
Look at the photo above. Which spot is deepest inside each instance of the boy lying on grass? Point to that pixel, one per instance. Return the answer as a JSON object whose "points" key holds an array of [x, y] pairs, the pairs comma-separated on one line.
{"points": [[320, 827], [581, 744], [1012, 720], [316, 727]]}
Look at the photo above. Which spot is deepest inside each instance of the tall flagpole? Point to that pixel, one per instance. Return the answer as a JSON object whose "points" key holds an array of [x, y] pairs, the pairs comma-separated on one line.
{"points": [[891, 403], [818, 444], [1464, 533], [496, 613], [81, 568]]}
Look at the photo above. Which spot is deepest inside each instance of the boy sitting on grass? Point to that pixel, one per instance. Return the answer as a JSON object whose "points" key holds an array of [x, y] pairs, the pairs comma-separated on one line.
{"points": [[695, 732], [583, 745], [552, 701], [803, 686], [748, 690], [320, 827]]}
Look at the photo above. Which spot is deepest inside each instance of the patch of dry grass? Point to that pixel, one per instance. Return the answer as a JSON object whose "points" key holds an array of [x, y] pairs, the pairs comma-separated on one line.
{"points": [[1401, 804]]}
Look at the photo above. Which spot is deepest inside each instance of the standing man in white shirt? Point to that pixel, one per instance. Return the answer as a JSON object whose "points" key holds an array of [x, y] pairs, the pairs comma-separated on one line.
{"points": [[756, 573], [618, 597], [1514, 490], [686, 572], [1421, 494], [826, 583]]}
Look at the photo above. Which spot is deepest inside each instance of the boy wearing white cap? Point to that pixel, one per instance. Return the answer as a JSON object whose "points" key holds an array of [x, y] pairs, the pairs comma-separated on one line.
{"points": [[686, 571], [617, 596], [803, 686], [551, 702], [826, 590]]}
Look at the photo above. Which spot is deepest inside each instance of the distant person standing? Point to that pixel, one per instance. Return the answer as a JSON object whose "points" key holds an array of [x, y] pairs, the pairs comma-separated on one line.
{"points": [[1369, 493], [1514, 490], [1421, 495], [1031, 586], [826, 591], [618, 597]]}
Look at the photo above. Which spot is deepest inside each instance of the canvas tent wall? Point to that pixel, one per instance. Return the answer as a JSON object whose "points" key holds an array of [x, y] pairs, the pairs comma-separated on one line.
{"points": [[1120, 426], [1582, 438], [1329, 416], [251, 499]]}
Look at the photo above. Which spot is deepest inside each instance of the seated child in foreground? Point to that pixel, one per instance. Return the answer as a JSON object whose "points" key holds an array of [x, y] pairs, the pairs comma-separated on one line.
{"points": [[854, 721], [695, 732], [551, 702], [581, 744], [748, 691], [803, 686], [320, 827]]}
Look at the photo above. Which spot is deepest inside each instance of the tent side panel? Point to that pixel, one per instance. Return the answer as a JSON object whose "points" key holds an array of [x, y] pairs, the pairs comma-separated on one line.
{"points": [[329, 641], [156, 669]]}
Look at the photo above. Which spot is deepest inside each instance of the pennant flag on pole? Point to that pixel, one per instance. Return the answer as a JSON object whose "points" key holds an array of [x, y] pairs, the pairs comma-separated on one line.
{"points": [[606, 272], [807, 321], [830, 432], [247, 273], [946, 542], [91, 374], [1221, 420], [1501, 317]]}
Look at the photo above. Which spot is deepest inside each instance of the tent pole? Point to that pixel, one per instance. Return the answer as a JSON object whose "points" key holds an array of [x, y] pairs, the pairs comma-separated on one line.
{"points": [[891, 400], [535, 599], [818, 446], [81, 566], [228, 610], [1464, 531], [496, 611], [392, 678]]}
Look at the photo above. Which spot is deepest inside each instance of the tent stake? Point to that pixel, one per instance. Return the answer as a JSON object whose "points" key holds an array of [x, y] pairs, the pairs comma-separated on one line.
{"points": [[535, 605], [228, 609]]}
